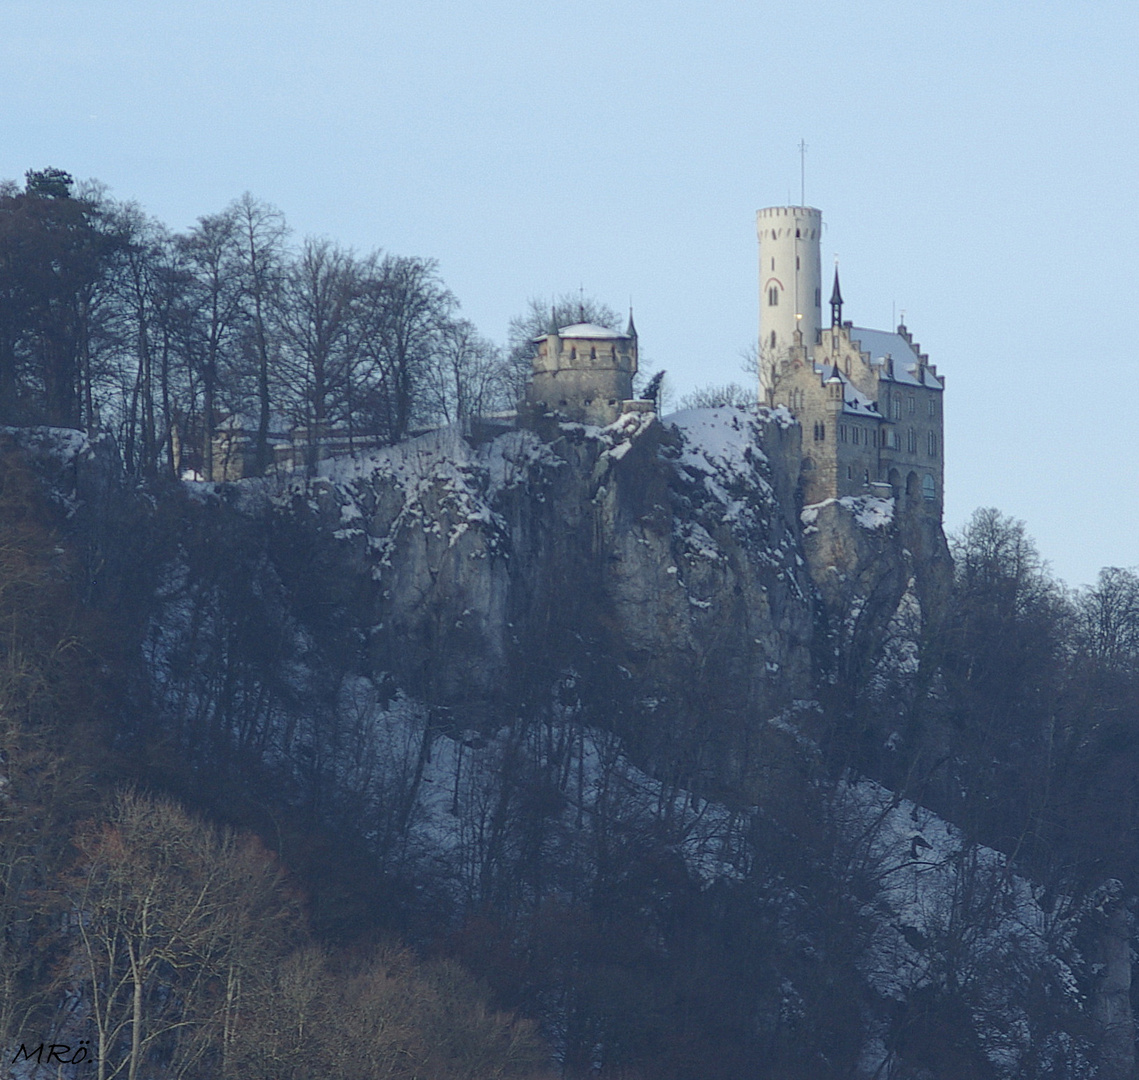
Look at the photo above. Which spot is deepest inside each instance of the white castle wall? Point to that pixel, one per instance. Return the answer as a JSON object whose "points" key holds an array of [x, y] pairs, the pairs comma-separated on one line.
{"points": [[790, 264]]}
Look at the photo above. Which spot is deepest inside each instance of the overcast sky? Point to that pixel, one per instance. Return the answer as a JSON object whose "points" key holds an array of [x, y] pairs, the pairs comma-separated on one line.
{"points": [[975, 164]]}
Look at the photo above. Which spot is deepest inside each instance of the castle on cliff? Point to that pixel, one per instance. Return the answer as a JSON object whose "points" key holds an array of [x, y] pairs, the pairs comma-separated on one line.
{"points": [[869, 402]]}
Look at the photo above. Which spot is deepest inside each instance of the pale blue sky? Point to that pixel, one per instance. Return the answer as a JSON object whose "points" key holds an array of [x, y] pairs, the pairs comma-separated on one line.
{"points": [[975, 164]]}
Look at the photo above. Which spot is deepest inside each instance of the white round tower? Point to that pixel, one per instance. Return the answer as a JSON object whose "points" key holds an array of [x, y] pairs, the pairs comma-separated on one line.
{"points": [[790, 283]]}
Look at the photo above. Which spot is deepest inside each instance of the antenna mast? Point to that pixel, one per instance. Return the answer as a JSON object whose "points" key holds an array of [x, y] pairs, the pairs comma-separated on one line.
{"points": [[802, 172]]}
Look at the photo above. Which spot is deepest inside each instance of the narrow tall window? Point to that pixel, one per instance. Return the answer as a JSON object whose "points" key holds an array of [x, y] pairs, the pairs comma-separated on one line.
{"points": [[910, 406], [773, 296], [912, 441]]}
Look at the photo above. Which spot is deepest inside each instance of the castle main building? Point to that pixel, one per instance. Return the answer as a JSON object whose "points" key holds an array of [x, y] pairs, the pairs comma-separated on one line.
{"points": [[869, 402]]}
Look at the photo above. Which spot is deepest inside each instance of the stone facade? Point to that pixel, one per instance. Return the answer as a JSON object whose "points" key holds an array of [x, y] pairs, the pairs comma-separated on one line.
{"points": [[583, 373], [869, 401]]}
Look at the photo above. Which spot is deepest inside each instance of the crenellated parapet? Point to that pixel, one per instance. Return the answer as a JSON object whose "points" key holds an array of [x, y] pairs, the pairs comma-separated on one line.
{"points": [[582, 373]]}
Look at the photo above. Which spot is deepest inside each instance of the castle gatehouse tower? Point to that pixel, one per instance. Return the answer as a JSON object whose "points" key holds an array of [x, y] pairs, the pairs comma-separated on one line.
{"points": [[790, 284], [583, 373]]}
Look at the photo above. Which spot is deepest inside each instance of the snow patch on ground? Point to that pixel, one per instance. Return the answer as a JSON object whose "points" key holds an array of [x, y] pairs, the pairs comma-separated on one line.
{"points": [[869, 511]]}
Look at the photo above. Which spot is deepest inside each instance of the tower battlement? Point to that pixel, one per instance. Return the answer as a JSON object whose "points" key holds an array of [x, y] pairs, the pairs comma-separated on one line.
{"points": [[583, 372]]}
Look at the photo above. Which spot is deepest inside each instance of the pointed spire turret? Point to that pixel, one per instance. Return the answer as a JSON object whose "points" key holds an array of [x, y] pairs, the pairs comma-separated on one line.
{"points": [[836, 300], [631, 330], [553, 326]]}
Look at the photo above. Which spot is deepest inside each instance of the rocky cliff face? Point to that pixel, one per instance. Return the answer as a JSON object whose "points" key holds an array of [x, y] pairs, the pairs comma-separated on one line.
{"points": [[655, 575], [872, 561], [655, 567]]}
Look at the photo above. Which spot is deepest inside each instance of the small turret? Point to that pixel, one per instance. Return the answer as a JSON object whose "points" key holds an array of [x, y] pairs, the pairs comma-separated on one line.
{"points": [[834, 385], [836, 300], [583, 372]]}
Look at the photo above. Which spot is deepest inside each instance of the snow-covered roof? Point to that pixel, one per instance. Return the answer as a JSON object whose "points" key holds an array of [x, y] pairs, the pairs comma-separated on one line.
{"points": [[882, 343], [857, 403], [854, 402], [589, 330]]}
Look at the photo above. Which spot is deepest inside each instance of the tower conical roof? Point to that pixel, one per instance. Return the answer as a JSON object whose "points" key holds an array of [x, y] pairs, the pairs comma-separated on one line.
{"points": [[836, 300]]}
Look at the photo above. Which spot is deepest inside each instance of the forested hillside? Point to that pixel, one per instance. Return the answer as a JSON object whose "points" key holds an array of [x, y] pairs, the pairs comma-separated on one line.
{"points": [[481, 753]]}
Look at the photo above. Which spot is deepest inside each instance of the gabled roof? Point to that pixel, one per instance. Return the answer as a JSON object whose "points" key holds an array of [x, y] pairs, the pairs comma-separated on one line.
{"points": [[882, 343], [854, 402]]}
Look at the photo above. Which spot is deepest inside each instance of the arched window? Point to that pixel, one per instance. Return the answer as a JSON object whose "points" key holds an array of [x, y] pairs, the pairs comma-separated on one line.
{"points": [[932, 444], [912, 441], [910, 406], [773, 296], [928, 488]]}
